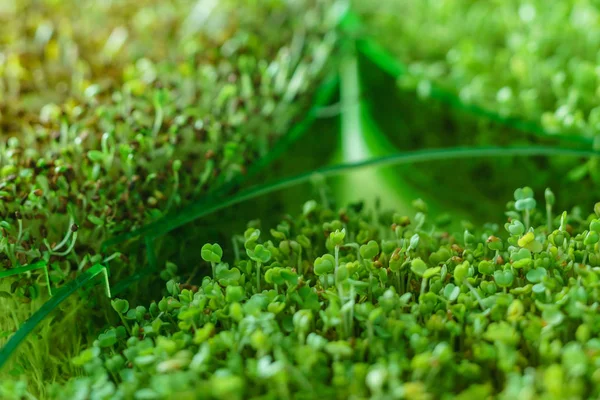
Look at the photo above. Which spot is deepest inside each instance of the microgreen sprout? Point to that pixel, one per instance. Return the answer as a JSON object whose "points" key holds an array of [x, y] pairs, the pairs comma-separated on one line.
{"points": [[525, 202], [73, 234], [260, 255], [550, 200], [99, 141], [212, 253], [333, 303], [449, 283], [511, 309], [473, 73]]}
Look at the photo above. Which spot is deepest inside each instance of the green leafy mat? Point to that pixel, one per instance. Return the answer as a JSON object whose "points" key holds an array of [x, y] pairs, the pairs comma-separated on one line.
{"points": [[377, 153]]}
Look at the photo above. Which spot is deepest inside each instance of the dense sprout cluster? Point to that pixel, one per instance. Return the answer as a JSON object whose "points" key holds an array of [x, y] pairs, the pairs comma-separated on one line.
{"points": [[363, 304], [522, 59], [115, 113]]}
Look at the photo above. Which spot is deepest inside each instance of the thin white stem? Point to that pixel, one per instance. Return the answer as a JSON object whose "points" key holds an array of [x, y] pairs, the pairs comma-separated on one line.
{"points": [[65, 240], [68, 250], [112, 257], [423, 286], [20, 235], [236, 248], [258, 276]]}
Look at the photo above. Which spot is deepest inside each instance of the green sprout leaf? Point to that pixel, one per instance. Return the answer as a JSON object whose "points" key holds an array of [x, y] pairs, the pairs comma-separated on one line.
{"points": [[591, 238], [337, 237], [431, 272], [451, 292], [96, 156], [536, 275], [259, 254], [515, 227], [523, 193], [504, 278], [211, 253], [324, 265], [525, 204], [234, 294], [418, 267], [521, 258], [486, 267], [120, 306], [461, 272], [370, 250]]}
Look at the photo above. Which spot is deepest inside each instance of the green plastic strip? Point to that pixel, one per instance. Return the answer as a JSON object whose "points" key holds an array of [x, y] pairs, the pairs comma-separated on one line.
{"points": [[150, 254], [394, 67], [30, 267], [204, 208], [22, 270], [59, 296]]}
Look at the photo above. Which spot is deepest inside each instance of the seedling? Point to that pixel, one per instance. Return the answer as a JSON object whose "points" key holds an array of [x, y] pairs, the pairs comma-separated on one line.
{"points": [[525, 202], [550, 200], [260, 255], [415, 311], [27, 268], [368, 321], [490, 87], [110, 146], [212, 253]]}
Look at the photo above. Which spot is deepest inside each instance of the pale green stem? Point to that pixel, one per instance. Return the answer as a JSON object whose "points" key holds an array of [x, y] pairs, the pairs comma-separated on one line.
{"points": [[423, 286], [68, 250], [112, 257], [65, 240], [300, 262], [47, 275], [477, 296], [158, 119], [258, 276], [175, 190], [236, 248], [20, 235], [337, 262], [352, 296], [106, 282], [125, 323], [370, 286]]}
